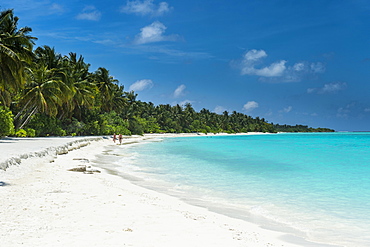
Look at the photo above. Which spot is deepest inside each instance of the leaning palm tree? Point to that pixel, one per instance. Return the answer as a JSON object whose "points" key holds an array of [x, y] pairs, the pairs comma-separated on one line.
{"points": [[15, 49], [42, 94]]}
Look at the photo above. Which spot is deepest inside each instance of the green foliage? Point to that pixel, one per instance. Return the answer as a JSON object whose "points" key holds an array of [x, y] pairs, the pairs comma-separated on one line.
{"points": [[21, 133], [73, 127], [31, 132], [91, 128], [25, 133], [15, 51], [135, 127], [102, 124], [45, 125], [6, 122], [149, 125], [299, 128]]}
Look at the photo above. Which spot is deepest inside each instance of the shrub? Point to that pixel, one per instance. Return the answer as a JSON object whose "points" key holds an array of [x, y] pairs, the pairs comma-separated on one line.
{"points": [[31, 132], [46, 126], [21, 133], [148, 125], [73, 127], [6, 122]]}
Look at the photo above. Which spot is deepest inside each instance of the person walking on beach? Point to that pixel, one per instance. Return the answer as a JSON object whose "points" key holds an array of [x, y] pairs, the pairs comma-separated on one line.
{"points": [[114, 137], [120, 139]]}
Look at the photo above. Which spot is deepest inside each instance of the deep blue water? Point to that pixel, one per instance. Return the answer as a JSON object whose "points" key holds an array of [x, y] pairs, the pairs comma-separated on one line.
{"points": [[317, 184]]}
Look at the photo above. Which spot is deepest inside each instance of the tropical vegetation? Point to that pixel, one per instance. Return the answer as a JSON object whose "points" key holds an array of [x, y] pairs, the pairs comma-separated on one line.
{"points": [[45, 93]]}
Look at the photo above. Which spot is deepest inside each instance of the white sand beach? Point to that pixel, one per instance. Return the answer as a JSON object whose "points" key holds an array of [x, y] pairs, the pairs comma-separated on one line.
{"points": [[45, 204]]}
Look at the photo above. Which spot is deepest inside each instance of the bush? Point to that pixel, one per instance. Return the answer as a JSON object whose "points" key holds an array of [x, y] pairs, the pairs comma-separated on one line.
{"points": [[135, 127], [31, 132], [21, 133], [73, 127], [46, 126], [92, 128], [104, 124], [149, 125], [6, 122]]}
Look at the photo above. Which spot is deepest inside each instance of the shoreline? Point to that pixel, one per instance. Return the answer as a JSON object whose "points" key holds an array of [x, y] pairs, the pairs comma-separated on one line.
{"points": [[46, 204]]}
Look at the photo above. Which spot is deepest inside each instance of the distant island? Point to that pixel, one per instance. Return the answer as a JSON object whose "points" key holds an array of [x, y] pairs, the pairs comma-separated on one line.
{"points": [[44, 93]]}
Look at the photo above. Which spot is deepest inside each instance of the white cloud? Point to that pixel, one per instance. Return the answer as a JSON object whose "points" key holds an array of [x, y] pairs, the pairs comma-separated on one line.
{"points": [[328, 88], [298, 66], [171, 54], [33, 8], [219, 109], [343, 112], [56, 8], [287, 109], [253, 57], [146, 7], [277, 71], [89, 13], [311, 90], [333, 87], [179, 91], [250, 105], [141, 85], [163, 8], [184, 102], [154, 33], [367, 110], [318, 67]]}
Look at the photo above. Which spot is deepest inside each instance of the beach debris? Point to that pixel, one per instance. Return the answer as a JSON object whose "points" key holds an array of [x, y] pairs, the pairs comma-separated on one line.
{"points": [[85, 169], [78, 169]]}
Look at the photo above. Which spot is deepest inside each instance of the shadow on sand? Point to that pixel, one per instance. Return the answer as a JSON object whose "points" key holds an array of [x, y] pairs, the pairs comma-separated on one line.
{"points": [[3, 184]]}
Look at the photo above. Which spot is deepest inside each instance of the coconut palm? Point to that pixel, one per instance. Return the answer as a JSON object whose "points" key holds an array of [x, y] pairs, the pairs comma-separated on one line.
{"points": [[42, 94], [108, 89], [49, 57], [119, 99], [79, 88], [15, 50]]}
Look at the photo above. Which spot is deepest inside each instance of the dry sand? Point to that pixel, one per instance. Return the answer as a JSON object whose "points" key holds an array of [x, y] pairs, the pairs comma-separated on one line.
{"points": [[45, 204]]}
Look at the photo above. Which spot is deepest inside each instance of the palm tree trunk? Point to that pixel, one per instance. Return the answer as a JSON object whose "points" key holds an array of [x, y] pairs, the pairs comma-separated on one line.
{"points": [[22, 117], [20, 112], [29, 117]]}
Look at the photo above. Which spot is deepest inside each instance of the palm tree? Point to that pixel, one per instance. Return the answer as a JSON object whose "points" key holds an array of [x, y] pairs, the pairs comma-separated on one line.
{"points": [[79, 89], [42, 94], [129, 111], [119, 99], [48, 56], [15, 49], [107, 86]]}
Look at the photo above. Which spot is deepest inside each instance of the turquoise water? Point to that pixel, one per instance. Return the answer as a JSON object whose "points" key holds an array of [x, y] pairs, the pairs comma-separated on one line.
{"points": [[316, 186]]}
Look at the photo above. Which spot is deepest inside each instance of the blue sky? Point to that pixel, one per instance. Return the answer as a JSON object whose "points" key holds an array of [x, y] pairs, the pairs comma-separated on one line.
{"points": [[290, 62]]}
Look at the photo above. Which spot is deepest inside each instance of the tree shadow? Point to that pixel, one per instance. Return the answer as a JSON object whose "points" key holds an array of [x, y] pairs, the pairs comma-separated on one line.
{"points": [[7, 140], [3, 184]]}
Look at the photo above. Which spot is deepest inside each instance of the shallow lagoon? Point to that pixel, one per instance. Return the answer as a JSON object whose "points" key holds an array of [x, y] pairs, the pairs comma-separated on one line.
{"points": [[316, 186]]}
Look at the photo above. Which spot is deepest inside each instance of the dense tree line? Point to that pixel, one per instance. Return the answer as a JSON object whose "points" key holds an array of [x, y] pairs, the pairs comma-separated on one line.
{"points": [[299, 128], [45, 93]]}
